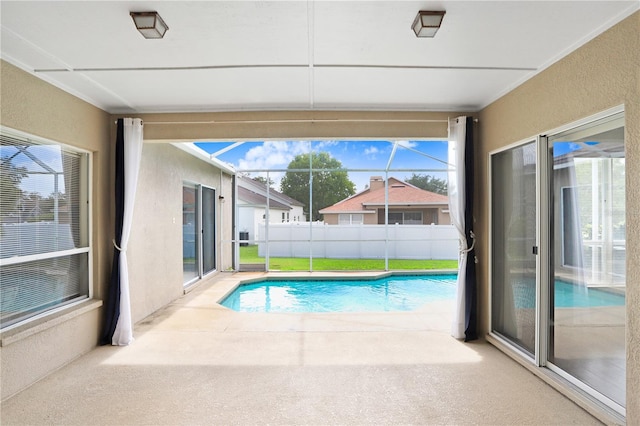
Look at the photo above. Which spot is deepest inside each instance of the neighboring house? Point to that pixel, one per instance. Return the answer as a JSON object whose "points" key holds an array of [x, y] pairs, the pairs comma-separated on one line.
{"points": [[252, 203], [408, 205]]}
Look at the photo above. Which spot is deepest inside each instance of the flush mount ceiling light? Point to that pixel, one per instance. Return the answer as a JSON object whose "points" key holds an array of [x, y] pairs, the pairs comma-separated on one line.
{"points": [[427, 23], [150, 24]]}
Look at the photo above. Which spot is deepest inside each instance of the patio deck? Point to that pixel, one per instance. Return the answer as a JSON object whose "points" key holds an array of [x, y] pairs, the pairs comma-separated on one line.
{"points": [[195, 362]]}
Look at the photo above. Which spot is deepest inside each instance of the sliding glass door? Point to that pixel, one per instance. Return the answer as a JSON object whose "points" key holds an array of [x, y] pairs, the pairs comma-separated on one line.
{"points": [[587, 288], [198, 231], [190, 245], [558, 254], [208, 230], [513, 224]]}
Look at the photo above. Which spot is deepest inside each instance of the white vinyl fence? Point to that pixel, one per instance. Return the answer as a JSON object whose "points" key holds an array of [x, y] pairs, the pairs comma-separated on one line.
{"points": [[26, 239], [360, 241]]}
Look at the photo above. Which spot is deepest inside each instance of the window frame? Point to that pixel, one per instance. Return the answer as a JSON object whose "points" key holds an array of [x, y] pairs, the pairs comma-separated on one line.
{"points": [[342, 221], [403, 220], [85, 201]]}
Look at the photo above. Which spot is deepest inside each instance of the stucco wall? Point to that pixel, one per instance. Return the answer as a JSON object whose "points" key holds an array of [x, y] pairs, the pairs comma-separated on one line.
{"points": [[28, 104], [602, 74], [155, 246]]}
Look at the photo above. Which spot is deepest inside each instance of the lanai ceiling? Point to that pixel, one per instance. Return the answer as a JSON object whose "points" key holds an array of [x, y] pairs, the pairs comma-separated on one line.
{"points": [[296, 55]]}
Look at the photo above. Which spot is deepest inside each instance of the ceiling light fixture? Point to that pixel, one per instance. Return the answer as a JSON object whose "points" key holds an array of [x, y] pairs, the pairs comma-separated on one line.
{"points": [[427, 23], [150, 24]]}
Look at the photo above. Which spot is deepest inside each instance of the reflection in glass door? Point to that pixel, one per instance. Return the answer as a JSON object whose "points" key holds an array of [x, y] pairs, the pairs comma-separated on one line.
{"points": [[208, 230], [587, 307], [198, 231], [513, 264], [190, 252]]}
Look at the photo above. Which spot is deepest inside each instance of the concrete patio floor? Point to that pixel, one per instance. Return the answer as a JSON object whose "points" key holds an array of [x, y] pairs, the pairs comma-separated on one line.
{"points": [[195, 363]]}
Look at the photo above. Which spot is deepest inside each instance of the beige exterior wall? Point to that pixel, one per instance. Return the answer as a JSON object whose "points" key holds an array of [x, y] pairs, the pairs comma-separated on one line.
{"points": [[35, 349], [444, 218], [369, 219], [602, 74], [155, 246], [28, 104], [330, 219]]}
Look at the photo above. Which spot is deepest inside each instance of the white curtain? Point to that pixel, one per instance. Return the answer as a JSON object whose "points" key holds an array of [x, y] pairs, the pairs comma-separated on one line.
{"points": [[456, 192], [133, 127]]}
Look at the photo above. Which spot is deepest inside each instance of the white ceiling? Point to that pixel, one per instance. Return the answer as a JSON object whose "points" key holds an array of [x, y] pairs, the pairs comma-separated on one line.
{"points": [[296, 55]]}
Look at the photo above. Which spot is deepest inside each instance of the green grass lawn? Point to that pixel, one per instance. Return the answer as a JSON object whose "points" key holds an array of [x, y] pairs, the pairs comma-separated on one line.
{"points": [[249, 254]]}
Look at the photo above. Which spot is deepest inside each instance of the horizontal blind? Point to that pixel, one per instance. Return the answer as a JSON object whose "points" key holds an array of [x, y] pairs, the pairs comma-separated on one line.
{"points": [[43, 212], [31, 288]]}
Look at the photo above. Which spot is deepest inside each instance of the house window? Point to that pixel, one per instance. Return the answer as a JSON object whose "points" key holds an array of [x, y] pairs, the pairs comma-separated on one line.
{"points": [[44, 234], [350, 219], [405, 218], [412, 218]]}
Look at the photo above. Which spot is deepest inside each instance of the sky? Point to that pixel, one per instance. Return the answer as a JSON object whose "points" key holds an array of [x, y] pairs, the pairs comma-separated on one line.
{"points": [[368, 155], [40, 183]]}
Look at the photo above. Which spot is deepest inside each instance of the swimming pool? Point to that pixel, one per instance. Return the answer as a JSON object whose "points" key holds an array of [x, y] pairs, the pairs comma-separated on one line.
{"points": [[393, 293]]}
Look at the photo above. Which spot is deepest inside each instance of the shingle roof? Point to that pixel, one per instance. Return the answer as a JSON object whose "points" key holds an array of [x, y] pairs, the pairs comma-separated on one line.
{"points": [[291, 201], [253, 198], [260, 189], [400, 194]]}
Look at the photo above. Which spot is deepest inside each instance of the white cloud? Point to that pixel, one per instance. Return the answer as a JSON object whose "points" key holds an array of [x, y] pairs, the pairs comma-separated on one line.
{"points": [[323, 145], [407, 144], [371, 151], [271, 155]]}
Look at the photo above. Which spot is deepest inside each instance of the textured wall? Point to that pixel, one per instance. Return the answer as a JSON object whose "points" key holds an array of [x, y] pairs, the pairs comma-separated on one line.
{"points": [[602, 74], [33, 106], [155, 246]]}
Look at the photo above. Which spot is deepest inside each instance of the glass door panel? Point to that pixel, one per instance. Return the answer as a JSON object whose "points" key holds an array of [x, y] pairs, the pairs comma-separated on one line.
{"points": [[587, 289], [513, 265], [190, 252], [208, 230]]}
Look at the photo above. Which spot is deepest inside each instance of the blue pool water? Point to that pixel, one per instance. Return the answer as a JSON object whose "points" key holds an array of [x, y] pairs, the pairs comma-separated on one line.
{"points": [[395, 293], [566, 295]]}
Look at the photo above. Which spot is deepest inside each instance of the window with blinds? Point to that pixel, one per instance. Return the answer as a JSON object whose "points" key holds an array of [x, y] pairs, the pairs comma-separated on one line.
{"points": [[405, 218], [350, 219], [44, 229]]}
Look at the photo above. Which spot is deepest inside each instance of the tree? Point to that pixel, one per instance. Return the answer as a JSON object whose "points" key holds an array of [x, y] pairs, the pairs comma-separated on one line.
{"points": [[428, 183], [10, 179], [330, 183]]}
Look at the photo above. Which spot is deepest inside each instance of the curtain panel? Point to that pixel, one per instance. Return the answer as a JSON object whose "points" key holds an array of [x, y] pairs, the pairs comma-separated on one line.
{"points": [[118, 327], [460, 191]]}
